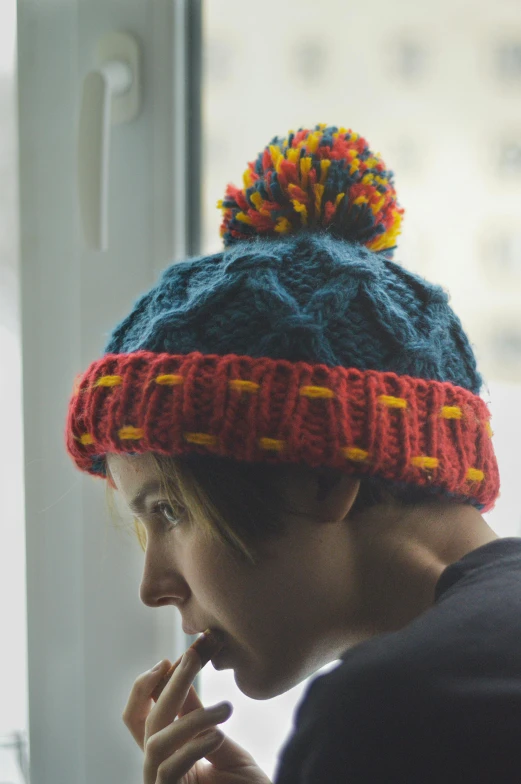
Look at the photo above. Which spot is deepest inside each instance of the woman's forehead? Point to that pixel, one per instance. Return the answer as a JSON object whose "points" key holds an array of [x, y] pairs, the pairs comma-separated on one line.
{"points": [[130, 471]]}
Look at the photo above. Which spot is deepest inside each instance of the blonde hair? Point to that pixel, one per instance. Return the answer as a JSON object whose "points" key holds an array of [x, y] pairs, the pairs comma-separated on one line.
{"points": [[241, 504], [237, 504]]}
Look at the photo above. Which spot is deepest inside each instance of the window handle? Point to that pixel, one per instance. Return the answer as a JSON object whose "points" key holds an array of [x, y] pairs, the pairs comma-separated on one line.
{"points": [[110, 96]]}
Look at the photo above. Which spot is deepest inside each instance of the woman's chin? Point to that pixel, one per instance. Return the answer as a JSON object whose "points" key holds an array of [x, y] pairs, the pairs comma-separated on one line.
{"points": [[254, 680], [262, 686]]}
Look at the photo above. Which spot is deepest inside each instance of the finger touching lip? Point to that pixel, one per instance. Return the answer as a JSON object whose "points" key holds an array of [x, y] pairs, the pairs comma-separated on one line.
{"points": [[206, 646]]}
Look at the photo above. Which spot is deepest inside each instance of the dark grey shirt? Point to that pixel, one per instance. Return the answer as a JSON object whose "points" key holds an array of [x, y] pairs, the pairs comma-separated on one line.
{"points": [[438, 702]]}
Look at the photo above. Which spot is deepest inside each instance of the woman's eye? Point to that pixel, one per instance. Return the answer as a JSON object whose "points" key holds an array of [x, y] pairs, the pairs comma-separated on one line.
{"points": [[166, 510]]}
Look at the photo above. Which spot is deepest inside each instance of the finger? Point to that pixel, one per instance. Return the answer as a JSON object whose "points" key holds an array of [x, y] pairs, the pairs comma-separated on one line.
{"points": [[178, 765], [228, 754], [191, 703], [174, 694], [139, 703], [206, 645], [172, 740], [162, 683], [174, 737]]}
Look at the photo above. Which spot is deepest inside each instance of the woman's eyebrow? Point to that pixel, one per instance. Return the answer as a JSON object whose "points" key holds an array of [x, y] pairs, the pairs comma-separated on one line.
{"points": [[137, 504]]}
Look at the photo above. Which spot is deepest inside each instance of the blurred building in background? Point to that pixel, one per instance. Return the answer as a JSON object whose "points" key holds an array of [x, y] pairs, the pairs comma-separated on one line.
{"points": [[436, 89]]}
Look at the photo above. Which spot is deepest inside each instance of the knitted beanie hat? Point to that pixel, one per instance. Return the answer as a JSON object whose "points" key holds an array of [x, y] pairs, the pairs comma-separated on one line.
{"points": [[301, 342]]}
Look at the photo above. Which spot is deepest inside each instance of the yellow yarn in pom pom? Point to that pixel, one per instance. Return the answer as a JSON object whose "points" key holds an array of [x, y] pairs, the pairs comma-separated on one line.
{"points": [[302, 210], [377, 206], [256, 199], [319, 192], [283, 226], [389, 238], [275, 153], [300, 175], [247, 179], [305, 168], [313, 141], [244, 218], [325, 163]]}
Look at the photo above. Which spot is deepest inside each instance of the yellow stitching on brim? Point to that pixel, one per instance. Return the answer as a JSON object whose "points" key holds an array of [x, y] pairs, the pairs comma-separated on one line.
{"points": [[130, 433], [169, 379], [203, 439], [451, 412], [316, 392], [392, 402], [425, 462], [108, 381], [271, 443], [243, 385], [353, 453]]}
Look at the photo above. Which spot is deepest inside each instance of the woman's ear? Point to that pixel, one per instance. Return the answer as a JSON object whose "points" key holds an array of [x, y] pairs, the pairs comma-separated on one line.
{"points": [[325, 495], [335, 495], [325, 483]]}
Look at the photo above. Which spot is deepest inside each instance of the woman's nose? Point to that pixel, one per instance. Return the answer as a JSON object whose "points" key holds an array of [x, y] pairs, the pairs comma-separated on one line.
{"points": [[157, 594], [162, 585]]}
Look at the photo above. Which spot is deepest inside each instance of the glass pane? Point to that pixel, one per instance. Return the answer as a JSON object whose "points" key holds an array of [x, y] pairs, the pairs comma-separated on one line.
{"points": [[432, 91]]}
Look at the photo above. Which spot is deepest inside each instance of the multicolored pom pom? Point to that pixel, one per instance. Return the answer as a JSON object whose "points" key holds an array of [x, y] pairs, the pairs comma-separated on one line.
{"points": [[322, 179]]}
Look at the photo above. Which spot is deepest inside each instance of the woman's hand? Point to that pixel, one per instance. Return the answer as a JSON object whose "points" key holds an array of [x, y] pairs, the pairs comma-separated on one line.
{"points": [[175, 749]]}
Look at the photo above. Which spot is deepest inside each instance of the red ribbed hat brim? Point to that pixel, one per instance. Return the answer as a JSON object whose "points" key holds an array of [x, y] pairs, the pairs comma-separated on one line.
{"points": [[410, 430]]}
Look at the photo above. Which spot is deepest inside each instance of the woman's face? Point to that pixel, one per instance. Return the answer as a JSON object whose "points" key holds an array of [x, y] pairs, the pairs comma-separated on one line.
{"points": [[281, 619]]}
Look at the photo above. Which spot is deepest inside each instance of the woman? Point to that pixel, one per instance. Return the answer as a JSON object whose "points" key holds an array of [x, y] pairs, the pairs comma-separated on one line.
{"points": [[296, 424]]}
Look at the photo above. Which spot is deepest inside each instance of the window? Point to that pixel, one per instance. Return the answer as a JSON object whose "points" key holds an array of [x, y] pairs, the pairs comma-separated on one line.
{"points": [[345, 71]]}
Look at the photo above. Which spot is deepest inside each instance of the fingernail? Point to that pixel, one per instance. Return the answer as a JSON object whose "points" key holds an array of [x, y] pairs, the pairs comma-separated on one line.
{"points": [[221, 709], [157, 667]]}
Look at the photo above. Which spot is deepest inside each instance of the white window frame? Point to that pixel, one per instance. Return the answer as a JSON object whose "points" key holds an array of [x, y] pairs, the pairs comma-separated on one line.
{"points": [[89, 635]]}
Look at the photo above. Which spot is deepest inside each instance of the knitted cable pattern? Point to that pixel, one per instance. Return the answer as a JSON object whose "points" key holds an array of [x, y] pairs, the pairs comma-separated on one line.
{"points": [[309, 298]]}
